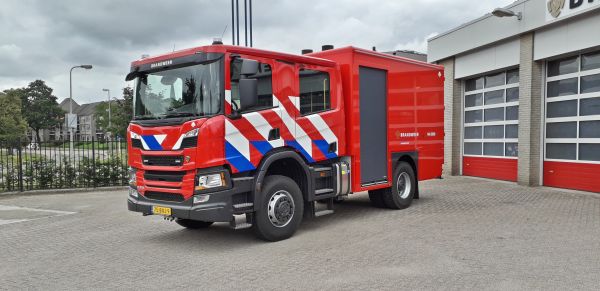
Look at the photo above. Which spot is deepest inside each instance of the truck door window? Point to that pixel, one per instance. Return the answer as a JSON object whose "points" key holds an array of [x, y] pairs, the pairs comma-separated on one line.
{"points": [[265, 84], [314, 92]]}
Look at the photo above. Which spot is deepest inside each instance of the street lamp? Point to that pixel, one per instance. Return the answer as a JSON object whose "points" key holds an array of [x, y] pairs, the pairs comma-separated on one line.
{"points": [[108, 93], [87, 67], [503, 12]]}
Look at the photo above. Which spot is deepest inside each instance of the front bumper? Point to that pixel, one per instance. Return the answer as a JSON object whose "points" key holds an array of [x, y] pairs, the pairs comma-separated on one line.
{"points": [[218, 208]]}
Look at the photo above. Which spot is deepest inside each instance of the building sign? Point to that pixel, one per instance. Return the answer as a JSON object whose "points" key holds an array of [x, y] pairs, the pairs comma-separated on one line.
{"points": [[556, 9]]}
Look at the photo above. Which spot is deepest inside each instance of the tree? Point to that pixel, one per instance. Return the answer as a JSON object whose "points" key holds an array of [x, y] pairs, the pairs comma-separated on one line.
{"points": [[40, 108], [121, 114], [12, 124]]}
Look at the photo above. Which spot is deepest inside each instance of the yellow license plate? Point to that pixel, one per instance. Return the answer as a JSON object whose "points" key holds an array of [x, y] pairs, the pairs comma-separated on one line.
{"points": [[166, 211]]}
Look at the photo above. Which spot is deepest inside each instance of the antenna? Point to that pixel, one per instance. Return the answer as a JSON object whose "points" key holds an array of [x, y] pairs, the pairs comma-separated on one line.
{"points": [[222, 34]]}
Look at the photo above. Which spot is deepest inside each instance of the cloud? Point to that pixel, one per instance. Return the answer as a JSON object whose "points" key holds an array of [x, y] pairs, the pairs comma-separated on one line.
{"points": [[44, 39]]}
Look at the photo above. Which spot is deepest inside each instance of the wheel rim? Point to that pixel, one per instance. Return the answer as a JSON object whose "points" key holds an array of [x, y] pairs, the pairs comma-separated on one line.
{"points": [[281, 208], [403, 185]]}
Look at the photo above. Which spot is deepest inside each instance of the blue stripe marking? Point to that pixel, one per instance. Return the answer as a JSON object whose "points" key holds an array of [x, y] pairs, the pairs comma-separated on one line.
{"points": [[236, 158], [152, 143], [299, 148], [323, 146], [262, 146]]}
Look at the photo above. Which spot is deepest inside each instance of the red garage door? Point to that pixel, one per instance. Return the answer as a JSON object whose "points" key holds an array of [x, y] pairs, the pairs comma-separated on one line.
{"points": [[572, 131], [491, 126]]}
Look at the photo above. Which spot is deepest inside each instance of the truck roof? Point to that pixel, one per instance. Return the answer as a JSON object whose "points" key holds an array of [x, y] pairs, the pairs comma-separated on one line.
{"points": [[351, 49], [240, 50]]}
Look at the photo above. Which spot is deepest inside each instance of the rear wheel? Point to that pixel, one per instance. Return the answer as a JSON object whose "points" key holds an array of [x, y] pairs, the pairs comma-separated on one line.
{"points": [[402, 192], [193, 224], [281, 209]]}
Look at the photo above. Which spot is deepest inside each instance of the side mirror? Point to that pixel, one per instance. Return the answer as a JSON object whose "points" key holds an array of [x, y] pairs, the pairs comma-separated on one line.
{"points": [[248, 93], [249, 67]]}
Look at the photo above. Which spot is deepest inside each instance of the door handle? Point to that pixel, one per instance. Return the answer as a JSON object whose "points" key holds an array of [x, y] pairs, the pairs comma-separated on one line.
{"points": [[274, 134]]}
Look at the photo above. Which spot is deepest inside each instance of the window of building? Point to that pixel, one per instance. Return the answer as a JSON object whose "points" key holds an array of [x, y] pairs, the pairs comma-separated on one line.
{"points": [[491, 119], [573, 109], [265, 85], [314, 91]]}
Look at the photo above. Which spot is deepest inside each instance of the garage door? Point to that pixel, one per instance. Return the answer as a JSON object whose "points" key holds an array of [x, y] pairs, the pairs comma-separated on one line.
{"points": [[491, 126], [572, 126]]}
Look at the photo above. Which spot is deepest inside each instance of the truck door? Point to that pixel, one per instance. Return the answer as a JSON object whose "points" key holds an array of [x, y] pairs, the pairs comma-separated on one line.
{"points": [[373, 125], [317, 113], [249, 138]]}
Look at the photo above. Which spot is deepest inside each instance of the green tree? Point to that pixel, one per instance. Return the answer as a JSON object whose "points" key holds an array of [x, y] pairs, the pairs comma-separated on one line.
{"points": [[12, 124], [121, 113], [40, 108]]}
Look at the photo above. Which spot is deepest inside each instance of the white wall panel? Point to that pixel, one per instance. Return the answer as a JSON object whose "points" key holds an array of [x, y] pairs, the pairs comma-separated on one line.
{"points": [[571, 36], [503, 55]]}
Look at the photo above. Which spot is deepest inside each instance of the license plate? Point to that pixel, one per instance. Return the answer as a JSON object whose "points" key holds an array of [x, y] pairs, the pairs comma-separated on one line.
{"points": [[166, 211]]}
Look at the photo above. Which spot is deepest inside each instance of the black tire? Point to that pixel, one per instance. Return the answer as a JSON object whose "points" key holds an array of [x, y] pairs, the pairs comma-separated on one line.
{"points": [[394, 197], [376, 198], [193, 224], [275, 194]]}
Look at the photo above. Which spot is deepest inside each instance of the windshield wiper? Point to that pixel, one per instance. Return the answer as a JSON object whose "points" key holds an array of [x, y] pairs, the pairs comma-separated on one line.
{"points": [[147, 117], [179, 114]]}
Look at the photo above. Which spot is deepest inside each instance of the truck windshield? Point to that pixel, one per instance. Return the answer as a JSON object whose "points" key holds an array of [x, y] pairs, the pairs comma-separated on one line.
{"points": [[181, 92]]}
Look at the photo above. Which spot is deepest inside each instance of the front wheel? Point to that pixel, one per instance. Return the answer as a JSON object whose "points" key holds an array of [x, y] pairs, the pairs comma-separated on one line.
{"points": [[281, 209], [403, 189]]}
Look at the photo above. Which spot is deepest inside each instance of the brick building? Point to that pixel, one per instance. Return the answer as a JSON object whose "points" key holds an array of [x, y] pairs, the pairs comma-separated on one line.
{"points": [[523, 94]]}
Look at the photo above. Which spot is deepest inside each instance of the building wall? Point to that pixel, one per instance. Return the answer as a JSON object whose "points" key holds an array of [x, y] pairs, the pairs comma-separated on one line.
{"points": [[573, 35], [530, 114], [489, 29], [489, 45], [500, 56], [453, 117]]}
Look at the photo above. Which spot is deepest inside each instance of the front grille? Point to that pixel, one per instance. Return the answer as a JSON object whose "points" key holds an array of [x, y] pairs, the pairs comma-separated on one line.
{"points": [[162, 160], [164, 176], [189, 142], [136, 143], [163, 196]]}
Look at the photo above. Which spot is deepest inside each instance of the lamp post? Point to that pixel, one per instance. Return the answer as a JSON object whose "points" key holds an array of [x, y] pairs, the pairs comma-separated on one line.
{"points": [[109, 118], [87, 67]]}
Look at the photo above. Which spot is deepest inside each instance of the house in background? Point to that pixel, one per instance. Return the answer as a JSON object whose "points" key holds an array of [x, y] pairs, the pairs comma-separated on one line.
{"points": [[86, 124]]}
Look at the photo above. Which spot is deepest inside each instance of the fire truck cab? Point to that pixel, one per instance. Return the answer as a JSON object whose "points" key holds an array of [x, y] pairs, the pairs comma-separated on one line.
{"points": [[256, 138]]}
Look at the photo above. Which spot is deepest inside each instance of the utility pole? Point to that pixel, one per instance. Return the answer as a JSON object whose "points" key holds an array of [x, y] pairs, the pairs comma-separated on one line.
{"points": [[87, 67]]}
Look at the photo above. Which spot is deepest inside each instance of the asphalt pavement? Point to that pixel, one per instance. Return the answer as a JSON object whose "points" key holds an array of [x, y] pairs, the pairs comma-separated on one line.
{"points": [[464, 233]]}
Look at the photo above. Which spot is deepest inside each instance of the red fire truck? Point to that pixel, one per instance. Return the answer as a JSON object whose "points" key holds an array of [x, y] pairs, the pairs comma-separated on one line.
{"points": [[256, 138]]}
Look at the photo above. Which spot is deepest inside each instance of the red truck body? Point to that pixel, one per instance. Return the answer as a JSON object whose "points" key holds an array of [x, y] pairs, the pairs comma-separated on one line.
{"points": [[331, 123]]}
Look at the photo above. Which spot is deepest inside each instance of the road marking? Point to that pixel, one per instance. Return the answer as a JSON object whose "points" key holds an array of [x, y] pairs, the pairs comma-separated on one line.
{"points": [[53, 213]]}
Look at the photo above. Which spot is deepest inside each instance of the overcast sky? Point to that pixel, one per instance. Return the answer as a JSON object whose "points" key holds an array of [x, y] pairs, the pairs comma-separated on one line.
{"points": [[42, 39]]}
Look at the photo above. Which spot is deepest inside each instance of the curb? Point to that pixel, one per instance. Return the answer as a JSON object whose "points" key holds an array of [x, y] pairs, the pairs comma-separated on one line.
{"points": [[63, 191]]}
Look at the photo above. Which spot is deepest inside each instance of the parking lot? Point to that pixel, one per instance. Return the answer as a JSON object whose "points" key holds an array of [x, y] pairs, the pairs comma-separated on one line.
{"points": [[464, 233]]}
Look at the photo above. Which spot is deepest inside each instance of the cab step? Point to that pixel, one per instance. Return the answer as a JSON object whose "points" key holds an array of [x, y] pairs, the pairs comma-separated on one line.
{"points": [[322, 207], [323, 191], [323, 212], [241, 221], [243, 205]]}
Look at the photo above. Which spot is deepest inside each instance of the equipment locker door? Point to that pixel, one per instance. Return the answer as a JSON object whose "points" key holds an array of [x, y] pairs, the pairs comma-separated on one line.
{"points": [[373, 125]]}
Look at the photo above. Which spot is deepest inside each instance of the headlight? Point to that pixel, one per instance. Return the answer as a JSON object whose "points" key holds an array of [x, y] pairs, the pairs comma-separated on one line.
{"points": [[191, 133], [211, 181], [132, 177]]}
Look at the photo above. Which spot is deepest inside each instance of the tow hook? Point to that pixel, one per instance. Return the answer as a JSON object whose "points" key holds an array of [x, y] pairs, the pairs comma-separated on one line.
{"points": [[169, 218]]}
